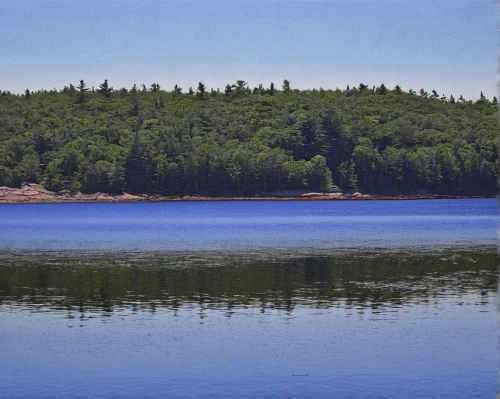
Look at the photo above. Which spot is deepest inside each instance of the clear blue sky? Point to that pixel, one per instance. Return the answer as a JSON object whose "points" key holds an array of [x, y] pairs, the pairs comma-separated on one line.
{"points": [[449, 46]]}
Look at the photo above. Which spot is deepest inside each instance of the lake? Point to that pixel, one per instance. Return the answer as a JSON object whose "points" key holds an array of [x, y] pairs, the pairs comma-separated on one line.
{"points": [[344, 299], [248, 225]]}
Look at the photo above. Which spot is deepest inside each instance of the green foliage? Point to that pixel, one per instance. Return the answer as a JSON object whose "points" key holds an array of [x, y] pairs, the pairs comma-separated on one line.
{"points": [[243, 141], [105, 89], [286, 86], [201, 91]]}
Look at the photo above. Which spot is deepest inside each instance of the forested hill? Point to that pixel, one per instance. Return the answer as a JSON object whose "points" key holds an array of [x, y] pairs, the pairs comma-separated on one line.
{"points": [[244, 141]]}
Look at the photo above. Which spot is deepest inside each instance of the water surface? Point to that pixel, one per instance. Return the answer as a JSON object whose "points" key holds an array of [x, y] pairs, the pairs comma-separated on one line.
{"points": [[244, 225], [386, 299]]}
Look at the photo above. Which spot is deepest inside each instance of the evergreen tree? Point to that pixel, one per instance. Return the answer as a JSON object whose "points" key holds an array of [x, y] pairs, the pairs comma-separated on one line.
{"points": [[240, 88], [105, 89], [201, 91], [82, 87], [382, 90], [82, 90], [286, 86]]}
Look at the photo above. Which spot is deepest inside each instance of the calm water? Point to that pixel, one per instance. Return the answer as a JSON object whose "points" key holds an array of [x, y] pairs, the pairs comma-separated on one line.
{"points": [[237, 226], [252, 299]]}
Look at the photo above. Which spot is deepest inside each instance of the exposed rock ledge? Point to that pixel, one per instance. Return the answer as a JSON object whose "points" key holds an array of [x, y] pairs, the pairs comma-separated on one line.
{"points": [[34, 193]]}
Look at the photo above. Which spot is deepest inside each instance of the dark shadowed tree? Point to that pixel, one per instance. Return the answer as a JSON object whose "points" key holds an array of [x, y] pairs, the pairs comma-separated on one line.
{"points": [[271, 89], [382, 90], [104, 88], [201, 93], [286, 86], [82, 86], [228, 90]]}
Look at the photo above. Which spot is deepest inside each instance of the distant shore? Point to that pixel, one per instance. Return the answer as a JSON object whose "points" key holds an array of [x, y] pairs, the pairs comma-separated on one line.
{"points": [[34, 193]]}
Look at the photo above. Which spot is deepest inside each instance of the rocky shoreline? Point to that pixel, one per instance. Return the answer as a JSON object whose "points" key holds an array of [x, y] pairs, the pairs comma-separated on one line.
{"points": [[34, 193]]}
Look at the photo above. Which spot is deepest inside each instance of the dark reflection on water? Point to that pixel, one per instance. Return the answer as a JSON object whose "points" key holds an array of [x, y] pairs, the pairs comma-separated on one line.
{"points": [[268, 324], [89, 283]]}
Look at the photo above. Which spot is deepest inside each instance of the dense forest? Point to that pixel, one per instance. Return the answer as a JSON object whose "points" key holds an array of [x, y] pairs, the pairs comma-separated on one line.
{"points": [[243, 141]]}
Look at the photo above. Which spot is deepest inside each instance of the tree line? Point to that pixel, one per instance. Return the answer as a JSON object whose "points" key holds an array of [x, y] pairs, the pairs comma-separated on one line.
{"points": [[243, 141]]}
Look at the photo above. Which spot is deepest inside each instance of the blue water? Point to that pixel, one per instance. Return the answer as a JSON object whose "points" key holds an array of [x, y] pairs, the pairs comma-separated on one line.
{"points": [[248, 225], [249, 299]]}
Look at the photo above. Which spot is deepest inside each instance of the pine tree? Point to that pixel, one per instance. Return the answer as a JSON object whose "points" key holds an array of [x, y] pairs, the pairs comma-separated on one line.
{"points": [[286, 86], [271, 89], [382, 90], [201, 91], [228, 90], [82, 87], [177, 90], [104, 88]]}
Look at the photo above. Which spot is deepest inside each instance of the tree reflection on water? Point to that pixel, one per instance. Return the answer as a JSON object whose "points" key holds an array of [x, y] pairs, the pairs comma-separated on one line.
{"points": [[106, 283]]}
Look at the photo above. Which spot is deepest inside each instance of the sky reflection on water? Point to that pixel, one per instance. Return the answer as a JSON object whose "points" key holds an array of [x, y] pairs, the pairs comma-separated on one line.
{"points": [[247, 225]]}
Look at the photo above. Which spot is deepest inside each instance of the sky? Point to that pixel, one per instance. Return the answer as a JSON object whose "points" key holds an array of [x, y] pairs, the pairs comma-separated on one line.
{"points": [[443, 45]]}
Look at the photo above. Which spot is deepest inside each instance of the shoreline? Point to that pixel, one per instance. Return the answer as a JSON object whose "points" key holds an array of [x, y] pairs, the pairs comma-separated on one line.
{"points": [[36, 194]]}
